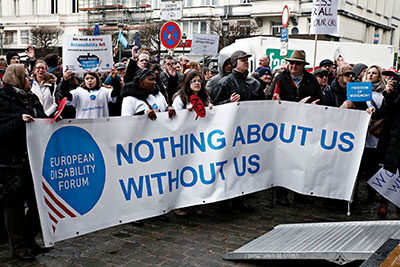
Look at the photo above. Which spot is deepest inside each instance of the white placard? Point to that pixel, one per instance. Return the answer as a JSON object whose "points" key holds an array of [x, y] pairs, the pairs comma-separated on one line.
{"points": [[87, 53], [387, 184], [324, 17], [205, 44], [91, 174], [171, 11]]}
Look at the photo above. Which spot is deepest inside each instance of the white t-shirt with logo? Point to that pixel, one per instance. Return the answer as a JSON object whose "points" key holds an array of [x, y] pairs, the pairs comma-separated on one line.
{"points": [[91, 104], [131, 105]]}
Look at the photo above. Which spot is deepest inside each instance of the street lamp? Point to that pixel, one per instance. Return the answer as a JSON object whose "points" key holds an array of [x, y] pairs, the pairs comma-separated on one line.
{"points": [[225, 29], [184, 42], [1, 37], [120, 28]]}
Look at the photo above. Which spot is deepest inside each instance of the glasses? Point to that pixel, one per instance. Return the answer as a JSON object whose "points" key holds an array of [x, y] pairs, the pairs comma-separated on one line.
{"points": [[41, 68], [322, 75], [143, 60], [296, 63], [196, 81], [347, 74], [168, 64]]}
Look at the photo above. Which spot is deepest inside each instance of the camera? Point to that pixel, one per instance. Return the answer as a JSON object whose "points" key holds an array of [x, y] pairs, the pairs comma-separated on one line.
{"points": [[395, 77]]}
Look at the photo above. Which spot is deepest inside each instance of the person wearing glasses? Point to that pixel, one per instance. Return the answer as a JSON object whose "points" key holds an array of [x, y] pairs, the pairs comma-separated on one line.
{"points": [[170, 77], [44, 85], [139, 60], [295, 83], [322, 77], [337, 95]]}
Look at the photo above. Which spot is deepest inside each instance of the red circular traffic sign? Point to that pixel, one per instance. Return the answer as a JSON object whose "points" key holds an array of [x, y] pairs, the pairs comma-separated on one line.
{"points": [[170, 35], [285, 16]]}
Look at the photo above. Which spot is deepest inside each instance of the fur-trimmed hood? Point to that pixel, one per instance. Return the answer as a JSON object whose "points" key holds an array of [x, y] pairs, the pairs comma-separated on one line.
{"points": [[48, 78]]}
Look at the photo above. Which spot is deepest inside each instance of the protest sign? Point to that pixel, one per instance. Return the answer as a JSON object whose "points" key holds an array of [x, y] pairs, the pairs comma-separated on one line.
{"points": [[171, 11], [205, 44], [387, 184], [87, 53], [324, 17], [90, 174], [359, 92]]}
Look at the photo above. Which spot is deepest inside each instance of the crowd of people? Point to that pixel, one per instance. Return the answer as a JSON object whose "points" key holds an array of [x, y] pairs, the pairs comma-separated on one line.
{"points": [[140, 85]]}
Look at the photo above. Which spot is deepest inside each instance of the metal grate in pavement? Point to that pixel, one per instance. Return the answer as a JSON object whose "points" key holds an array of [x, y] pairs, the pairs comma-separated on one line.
{"points": [[339, 242]]}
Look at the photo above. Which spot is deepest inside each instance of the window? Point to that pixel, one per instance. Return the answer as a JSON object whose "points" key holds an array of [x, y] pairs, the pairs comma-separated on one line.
{"points": [[25, 37], [156, 4], [1, 8], [16, 7], [209, 2], [10, 37], [203, 27], [195, 27], [75, 6], [185, 27], [188, 3], [99, 3], [34, 11], [54, 7], [276, 27], [244, 1]]}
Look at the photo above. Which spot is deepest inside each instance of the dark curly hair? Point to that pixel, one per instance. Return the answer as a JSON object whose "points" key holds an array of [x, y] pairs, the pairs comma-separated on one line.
{"points": [[185, 92]]}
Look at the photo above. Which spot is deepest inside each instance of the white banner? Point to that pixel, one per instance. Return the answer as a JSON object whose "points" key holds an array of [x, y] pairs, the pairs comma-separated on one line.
{"points": [[87, 53], [90, 174], [205, 44], [324, 17], [387, 184]]}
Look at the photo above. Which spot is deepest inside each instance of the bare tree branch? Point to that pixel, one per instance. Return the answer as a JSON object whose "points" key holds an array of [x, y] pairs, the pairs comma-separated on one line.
{"points": [[45, 40]]}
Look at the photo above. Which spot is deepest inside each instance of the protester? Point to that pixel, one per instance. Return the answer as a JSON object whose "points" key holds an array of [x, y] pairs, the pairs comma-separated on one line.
{"points": [[121, 71], [156, 68], [328, 65], [224, 68], [142, 97], [138, 61], [337, 95], [90, 99], [12, 58], [18, 106], [44, 87], [359, 71], [171, 79], [54, 64], [178, 66], [184, 60], [238, 85], [265, 78], [3, 67], [322, 77], [295, 83], [264, 61], [193, 85], [392, 157], [193, 66]]}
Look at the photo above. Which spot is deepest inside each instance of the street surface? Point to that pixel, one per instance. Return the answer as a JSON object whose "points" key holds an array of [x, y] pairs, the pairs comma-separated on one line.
{"points": [[197, 240]]}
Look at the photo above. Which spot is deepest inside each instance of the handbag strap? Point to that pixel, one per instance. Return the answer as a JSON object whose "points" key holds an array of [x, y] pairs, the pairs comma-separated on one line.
{"points": [[374, 104]]}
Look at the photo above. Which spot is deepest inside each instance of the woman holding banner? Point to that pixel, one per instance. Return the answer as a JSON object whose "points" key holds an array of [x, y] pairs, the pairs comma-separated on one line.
{"points": [[192, 85], [18, 106], [142, 97], [90, 99]]}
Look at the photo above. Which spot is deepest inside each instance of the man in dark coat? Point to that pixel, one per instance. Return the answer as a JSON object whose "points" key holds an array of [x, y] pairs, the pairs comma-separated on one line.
{"points": [[238, 85], [171, 79], [295, 83]]}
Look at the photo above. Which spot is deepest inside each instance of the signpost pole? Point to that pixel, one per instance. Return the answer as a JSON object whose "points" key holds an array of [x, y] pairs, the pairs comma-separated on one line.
{"points": [[315, 50]]}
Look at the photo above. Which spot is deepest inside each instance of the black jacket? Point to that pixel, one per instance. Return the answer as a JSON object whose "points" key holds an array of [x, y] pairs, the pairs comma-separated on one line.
{"points": [[12, 127], [287, 90], [392, 159], [336, 96], [171, 84], [236, 82]]}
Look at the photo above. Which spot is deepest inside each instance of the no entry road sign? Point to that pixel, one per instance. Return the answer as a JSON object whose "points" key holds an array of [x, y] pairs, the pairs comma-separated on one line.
{"points": [[170, 35]]}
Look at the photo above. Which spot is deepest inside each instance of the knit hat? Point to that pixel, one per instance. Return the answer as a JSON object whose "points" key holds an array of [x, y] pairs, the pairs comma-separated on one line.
{"points": [[262, 71], [326, 62], [358, 68], [10, 55]]}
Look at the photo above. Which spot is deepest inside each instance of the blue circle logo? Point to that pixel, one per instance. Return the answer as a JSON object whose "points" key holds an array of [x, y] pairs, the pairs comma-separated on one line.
{"points": [[155, 106], [74, 167], [92, 97]]}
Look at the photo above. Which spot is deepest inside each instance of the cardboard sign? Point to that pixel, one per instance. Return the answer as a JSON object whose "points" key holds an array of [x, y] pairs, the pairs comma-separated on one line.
{"points": [[359, 92], [61, 106], [324, 17], [198, 106]]}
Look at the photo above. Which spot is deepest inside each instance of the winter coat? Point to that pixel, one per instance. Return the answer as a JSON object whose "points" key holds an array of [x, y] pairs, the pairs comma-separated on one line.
{"points": [[392, 159], [337, 95], [287, 90], [12, 127], [212, 84], [241, 83], [45, 91], [171, 84]]}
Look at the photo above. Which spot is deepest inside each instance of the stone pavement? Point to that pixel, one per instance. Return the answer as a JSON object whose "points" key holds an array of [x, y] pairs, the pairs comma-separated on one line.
{"points": [[196, 240]]}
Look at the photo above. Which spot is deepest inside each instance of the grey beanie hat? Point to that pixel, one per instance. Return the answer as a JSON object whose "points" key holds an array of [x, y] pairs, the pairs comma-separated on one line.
{"points": [[358, 68]]}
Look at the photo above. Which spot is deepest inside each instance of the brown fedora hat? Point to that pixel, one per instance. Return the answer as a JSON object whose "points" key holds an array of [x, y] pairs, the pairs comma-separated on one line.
{"points": [[298, 56]]}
